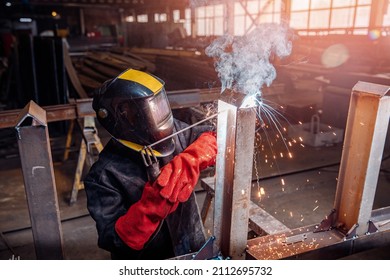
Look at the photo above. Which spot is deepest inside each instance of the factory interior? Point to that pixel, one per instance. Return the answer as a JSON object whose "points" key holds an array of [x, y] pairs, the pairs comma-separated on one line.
{"points": [[303, 173]]}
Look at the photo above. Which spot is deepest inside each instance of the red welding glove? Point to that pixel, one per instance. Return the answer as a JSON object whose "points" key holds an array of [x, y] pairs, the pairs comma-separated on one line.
{"points": [[174, 184], [179, 177], [143, 218]]}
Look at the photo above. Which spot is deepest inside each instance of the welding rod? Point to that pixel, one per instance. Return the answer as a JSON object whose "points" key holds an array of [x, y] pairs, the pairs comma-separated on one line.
{"points": [[182, 130]]}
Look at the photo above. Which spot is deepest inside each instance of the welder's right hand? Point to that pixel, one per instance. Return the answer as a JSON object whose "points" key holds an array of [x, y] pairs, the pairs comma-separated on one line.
{"points": [[179, 177]]}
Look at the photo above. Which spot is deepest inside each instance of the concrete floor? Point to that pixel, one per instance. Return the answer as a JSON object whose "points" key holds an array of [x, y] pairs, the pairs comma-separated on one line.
{"points": [[297, 191]]}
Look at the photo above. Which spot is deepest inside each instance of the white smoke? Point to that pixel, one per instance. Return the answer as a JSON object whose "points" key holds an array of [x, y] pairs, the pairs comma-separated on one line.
{"points": [[243, 63]]}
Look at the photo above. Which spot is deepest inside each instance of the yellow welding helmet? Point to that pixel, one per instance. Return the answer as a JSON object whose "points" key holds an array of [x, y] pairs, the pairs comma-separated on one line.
{"points": [[134, 109]]}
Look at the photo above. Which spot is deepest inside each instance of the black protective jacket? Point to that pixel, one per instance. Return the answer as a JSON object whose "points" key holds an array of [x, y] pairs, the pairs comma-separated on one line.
{"points": [[116, 181]]}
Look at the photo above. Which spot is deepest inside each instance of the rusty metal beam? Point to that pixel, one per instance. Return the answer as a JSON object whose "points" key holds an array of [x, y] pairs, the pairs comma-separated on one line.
{"points": [[80, 108], [367, 124], [236, 134], [71, 111], [38, 174]]}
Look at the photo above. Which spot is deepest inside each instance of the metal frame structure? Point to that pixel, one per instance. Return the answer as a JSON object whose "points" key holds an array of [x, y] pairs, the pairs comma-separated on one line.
{"points": [[352, 226]]}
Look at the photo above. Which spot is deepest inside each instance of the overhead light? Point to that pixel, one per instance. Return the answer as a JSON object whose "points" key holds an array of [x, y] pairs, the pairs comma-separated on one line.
{"points": [[8, 4], [25, 20], [54, 13]]}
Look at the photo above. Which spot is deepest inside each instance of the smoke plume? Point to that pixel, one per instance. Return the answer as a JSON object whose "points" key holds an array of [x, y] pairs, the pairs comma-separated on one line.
{"points": [[243, 63]]}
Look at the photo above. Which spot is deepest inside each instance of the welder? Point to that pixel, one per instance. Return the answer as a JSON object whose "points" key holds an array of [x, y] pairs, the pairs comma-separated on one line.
{"points": [[139, 217]]}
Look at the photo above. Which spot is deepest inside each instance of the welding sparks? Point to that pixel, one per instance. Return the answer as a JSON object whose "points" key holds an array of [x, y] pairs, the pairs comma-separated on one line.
{"points": [[250, 101]]}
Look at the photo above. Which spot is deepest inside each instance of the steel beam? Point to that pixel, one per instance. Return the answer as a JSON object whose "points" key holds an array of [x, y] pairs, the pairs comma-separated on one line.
{"points": [[367, 123], [235, 141], [71, 111], [38, 174], [81, 108]]}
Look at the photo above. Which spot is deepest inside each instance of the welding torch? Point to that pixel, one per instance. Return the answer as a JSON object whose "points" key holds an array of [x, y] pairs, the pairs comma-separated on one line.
{"points": [[150, 159]]}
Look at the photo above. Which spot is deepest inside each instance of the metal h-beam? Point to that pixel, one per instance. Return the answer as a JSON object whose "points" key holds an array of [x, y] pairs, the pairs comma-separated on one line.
{"points": [[235, 140], [38, 174]]}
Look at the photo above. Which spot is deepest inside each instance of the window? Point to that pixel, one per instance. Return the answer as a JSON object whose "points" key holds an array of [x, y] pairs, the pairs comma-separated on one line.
{"points": [[187, 21], [130, 19], [160, 17], [176, 15], [210, 20], [386, 18], [300, 5], [249, 14], [319, 19], [183, 17], [362, 16], [142, 18], [342, 18], [312, 17]]}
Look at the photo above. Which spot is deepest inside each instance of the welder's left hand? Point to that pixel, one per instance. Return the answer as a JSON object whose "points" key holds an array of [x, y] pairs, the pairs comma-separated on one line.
{"points": [[179, 177]]}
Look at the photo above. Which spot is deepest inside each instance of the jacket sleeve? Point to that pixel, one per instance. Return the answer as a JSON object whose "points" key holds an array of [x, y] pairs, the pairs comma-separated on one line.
{"points": [[112, 185]]}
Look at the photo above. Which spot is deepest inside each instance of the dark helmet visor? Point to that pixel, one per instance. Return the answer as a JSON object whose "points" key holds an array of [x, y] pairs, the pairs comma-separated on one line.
{"points": [[150, 120], [159, 107]]}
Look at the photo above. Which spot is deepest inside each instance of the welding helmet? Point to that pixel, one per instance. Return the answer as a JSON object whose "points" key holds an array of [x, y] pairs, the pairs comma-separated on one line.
{"points": [[134, 109]]}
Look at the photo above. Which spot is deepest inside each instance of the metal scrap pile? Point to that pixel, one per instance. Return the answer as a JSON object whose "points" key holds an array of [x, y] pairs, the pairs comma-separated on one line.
{"points": [[179, 69]]}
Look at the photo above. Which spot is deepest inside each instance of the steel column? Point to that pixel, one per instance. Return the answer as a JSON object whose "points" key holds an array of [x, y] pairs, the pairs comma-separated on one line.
{"points": [[235, 140], [38, 174], [367, 123]]}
